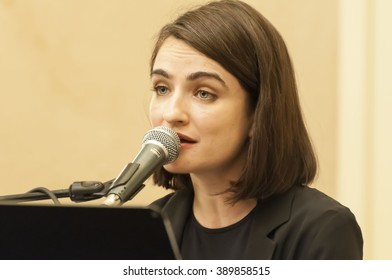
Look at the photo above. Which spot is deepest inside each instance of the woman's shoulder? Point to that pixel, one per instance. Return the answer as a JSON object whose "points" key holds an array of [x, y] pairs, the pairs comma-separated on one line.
{"points": [[161, 202], [315, 202], [179, 198], [318, 227], [304, 201]]}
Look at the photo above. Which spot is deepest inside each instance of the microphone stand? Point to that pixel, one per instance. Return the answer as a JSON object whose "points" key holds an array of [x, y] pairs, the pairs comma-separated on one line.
{"points": [[78, 192]]}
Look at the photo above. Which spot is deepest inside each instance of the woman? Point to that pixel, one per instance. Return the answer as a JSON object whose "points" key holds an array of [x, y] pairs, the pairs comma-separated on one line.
{"points": [[223, 80]]}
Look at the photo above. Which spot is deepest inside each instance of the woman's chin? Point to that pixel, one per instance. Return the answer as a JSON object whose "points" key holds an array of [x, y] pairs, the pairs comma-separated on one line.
{"points": [[175, 169]]}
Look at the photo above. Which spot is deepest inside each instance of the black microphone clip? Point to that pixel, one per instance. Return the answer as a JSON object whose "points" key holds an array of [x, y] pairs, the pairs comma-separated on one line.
{"points": [[116, 193], [81, 191]]}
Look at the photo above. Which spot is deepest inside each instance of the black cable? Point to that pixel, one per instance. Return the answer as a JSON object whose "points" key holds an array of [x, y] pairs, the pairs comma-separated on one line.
{"points": [[46, 191]]}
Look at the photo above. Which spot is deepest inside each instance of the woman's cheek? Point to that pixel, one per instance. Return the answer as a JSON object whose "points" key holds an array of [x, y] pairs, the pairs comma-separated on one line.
{"points": [[155, 115]]}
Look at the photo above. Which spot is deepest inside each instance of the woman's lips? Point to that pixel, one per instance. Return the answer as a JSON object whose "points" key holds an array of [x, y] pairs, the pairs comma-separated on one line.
{"points": [[186, 140]]}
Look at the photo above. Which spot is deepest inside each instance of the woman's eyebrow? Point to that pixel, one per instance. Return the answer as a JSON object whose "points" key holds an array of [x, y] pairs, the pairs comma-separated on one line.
{"points": [[160, 72], [192, 76], [202, 74]]}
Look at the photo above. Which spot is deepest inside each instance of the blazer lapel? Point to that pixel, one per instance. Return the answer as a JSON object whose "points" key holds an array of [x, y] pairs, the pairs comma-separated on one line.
{"points": [[269, 215], [177, 210]]}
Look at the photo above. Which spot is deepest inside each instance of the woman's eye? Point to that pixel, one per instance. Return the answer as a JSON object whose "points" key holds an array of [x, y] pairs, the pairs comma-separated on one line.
{"points": [[205, 95], [161, 90]]}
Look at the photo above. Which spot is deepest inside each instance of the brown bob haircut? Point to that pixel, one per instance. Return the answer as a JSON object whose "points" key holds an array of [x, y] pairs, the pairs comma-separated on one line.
{"points": [[240, 39]]}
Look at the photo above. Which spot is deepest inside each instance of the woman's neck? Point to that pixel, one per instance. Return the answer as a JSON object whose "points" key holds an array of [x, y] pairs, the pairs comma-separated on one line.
{"points": [[212, 207]]}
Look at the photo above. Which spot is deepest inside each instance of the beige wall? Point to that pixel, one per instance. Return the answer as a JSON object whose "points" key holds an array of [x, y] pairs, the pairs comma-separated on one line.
{"points": [[364, 116], [74, 92]]}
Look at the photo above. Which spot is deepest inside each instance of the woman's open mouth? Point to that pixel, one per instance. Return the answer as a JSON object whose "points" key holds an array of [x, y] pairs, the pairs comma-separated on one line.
{"points": [[186, 140]]}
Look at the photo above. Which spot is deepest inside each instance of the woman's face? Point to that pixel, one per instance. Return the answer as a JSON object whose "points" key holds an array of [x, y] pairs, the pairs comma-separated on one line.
{"points": [[205, 105]]}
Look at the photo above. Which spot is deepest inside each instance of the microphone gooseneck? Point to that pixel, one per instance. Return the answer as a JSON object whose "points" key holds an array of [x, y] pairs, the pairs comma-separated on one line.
{"points": [[160, 146]]}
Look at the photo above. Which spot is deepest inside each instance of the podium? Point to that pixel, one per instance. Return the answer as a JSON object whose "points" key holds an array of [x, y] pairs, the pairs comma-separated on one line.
{"points": [[46, 232]]}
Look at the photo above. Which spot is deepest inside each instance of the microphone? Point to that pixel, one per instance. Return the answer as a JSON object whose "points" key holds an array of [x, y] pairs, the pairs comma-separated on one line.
{"points": [[160, 145]]}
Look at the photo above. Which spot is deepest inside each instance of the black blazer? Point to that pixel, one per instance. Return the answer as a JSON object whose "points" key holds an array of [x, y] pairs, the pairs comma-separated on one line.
{"points": [[302, 223]]}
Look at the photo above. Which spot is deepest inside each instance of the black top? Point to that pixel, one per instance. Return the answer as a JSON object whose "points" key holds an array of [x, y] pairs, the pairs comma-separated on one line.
{"points": [[201, 243]]}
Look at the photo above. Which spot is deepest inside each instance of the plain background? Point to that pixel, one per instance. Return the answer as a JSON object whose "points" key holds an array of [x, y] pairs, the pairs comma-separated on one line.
{"points": [[74, 94]]}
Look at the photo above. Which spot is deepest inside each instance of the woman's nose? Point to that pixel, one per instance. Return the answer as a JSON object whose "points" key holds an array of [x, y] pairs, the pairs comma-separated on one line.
{"points": [[176, 110]]}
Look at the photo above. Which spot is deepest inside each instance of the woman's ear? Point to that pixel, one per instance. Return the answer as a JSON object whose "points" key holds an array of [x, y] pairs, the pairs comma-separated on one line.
{"points": [[251, 126]]}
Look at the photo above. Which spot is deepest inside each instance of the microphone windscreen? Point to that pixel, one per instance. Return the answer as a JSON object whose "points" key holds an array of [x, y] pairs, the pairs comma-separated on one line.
{"points": [[166, 137]]}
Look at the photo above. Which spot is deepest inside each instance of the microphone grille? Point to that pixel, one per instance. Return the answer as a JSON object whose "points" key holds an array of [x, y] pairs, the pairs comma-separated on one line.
{"points": [[168, 138]]}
